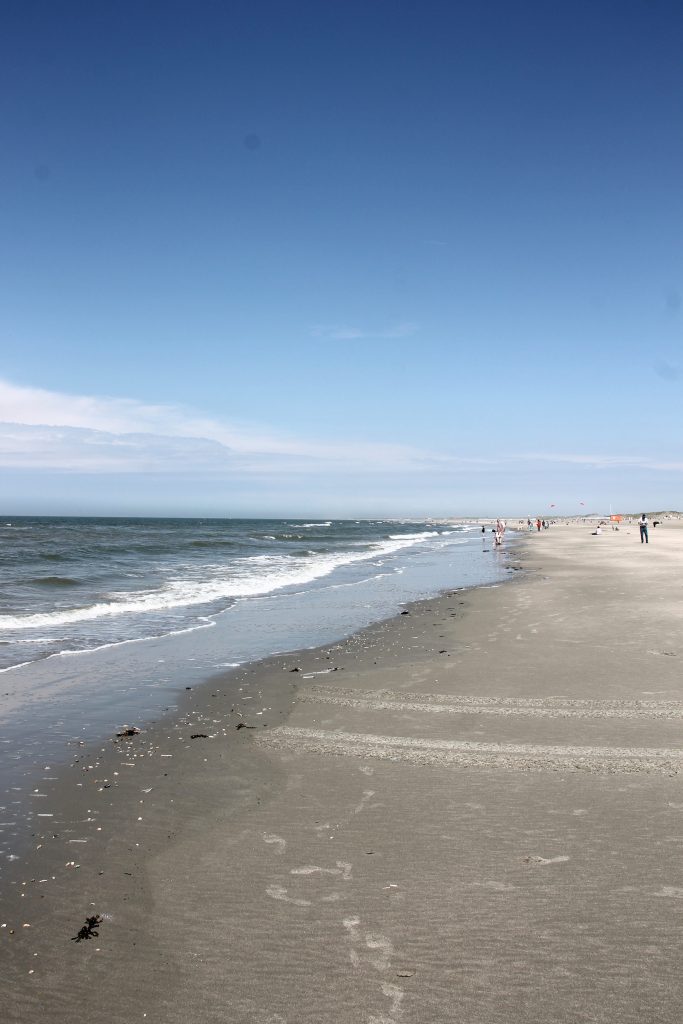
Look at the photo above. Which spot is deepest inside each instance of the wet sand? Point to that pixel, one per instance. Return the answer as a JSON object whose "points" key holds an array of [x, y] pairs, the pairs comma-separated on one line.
{"points": [[473, 812]]}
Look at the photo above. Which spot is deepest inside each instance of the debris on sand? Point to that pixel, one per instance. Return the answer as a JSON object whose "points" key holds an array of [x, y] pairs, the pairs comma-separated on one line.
{"points": [[128, 730], [89, 929], [243, 725], [199, 736], [405, 613], [295, 670]]}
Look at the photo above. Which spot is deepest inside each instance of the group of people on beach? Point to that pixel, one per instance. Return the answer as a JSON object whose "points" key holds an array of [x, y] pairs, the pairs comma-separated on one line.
{"points": [[542, 524], [643, 524]]}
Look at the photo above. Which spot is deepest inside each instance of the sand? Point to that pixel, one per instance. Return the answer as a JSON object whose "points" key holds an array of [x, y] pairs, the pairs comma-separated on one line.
{"points": [[472, 813]]}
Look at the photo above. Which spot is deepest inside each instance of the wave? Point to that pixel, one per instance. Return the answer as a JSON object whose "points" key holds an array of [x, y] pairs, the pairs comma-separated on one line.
{"points": [[55, 581], [283, 536], [217, 543], [252, 576], [414, 536], [202, 623]]}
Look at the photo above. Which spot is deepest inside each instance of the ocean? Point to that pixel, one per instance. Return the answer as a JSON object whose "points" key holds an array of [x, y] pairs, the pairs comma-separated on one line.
{"points": [[103, 622], [71, 584]]}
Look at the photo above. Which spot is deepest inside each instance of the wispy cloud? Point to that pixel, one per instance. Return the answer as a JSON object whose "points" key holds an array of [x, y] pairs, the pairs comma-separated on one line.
{"points": [[42, 429], [78, 449], [337, 332], [70, 430], [600, 461]]}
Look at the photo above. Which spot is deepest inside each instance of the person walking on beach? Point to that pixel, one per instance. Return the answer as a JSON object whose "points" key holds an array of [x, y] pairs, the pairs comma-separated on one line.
{"points": [[643, 524], [538, 525]]}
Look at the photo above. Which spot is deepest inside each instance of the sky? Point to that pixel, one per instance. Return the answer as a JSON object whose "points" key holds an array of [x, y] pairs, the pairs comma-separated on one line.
{"points": [[341, 259]]}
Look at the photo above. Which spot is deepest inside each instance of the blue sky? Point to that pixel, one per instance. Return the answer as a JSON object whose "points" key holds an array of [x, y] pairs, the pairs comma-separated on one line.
{"points": [[340, 259]]}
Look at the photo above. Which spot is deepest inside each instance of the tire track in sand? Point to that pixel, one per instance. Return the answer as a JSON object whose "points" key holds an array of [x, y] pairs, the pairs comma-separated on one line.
{"points": [[526, 757], [540, 707]]}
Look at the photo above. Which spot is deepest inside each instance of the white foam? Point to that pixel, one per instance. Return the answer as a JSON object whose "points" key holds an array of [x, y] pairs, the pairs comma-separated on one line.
{"points": [[414, 536], [202, 623], [253, 576]]}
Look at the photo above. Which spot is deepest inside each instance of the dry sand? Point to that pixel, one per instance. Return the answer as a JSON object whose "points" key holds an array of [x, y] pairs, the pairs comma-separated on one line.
{"points": [[478, 817]]}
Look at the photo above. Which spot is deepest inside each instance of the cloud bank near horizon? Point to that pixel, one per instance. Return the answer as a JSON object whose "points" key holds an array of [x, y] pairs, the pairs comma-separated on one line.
{"points": [[78, 428], [42, 429]]}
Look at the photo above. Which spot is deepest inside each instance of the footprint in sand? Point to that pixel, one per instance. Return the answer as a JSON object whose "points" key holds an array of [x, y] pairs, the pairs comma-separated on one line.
{"points": [[379, 946], [278, 892], [277, 841], [394, 993], [342, 868], [367, 795], [385, 951], [546, 860], [351, 924]]}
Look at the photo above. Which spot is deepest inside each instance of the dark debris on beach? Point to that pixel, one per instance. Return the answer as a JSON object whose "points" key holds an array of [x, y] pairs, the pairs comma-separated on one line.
{"points": [[128, 730], [89, 929]]}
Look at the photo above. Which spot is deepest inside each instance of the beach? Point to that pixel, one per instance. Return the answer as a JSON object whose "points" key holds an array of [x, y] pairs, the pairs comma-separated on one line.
{"points": [[469, 811]]}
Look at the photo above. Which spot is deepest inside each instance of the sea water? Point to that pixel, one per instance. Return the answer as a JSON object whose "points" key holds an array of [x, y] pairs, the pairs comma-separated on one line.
{"points": [[71, 585]]}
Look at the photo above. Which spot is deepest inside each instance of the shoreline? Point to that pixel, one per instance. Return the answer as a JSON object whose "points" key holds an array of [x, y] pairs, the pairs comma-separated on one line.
{"points": [[99, 752], [265, 865], [89, 695]]}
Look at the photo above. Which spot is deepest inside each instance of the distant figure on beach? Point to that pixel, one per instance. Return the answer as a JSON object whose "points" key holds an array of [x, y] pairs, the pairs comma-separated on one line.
{"points": [[597, 531], [529, 525], [538, 525], [643, 524]]}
